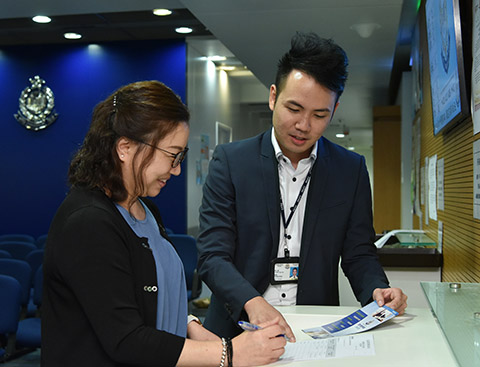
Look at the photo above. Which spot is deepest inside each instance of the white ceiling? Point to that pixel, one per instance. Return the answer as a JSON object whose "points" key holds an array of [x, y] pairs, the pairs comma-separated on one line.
{"points": [[258, 32]]}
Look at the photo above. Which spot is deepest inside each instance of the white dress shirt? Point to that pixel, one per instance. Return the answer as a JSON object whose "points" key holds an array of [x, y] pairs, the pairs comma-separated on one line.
{"points": [[290, 180]]}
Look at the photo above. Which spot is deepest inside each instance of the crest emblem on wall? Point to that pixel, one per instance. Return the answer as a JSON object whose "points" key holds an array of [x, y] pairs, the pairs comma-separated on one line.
{"points": [[36, 104]]}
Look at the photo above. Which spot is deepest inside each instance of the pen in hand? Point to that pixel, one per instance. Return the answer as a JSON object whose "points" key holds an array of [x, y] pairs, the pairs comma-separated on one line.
{"points": [[247, 326]]}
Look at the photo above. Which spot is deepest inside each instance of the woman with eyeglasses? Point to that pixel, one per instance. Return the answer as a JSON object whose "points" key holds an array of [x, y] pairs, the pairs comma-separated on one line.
{"points": [[114, 288]]}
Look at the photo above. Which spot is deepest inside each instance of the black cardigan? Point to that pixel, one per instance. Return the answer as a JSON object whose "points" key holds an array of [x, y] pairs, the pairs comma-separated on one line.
{"points": [[98, 306]]}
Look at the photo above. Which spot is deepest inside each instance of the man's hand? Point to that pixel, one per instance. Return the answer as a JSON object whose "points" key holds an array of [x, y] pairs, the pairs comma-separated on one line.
{"points": [[391, 297], [260, 311]]}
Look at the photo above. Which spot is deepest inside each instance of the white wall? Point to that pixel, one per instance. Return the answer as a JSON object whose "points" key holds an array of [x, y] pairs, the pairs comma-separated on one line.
{"points": [[214, 96], [406, 102]]}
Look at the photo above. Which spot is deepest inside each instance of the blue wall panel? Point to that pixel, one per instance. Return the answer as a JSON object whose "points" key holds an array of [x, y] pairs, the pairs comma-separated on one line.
{"points": [[34, 165]]}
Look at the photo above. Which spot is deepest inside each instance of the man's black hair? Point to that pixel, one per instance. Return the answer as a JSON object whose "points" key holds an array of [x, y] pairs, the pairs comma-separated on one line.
{"points": [[320, 58]]}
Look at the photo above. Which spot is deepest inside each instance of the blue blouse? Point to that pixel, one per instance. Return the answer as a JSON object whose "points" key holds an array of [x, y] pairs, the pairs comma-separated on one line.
{"points": [[172, 290]]}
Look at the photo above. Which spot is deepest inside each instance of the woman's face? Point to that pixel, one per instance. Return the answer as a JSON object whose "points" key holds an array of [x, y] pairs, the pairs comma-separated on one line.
{"points": [[159, 170]]}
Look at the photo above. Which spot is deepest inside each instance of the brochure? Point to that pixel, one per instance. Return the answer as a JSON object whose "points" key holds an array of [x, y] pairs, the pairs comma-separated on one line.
{"points": [[363, 319]]}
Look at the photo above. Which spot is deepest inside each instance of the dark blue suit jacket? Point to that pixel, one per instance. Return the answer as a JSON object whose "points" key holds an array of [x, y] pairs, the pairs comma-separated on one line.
{"points": [[240, 226]]}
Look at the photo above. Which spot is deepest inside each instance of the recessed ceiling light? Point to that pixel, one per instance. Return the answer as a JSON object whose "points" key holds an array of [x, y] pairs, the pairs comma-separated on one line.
{"points": [[340, 135], [72, 36], [351, 148], [41, 19], [214, 58], [226, 68], [162, 12], [183, 30]]}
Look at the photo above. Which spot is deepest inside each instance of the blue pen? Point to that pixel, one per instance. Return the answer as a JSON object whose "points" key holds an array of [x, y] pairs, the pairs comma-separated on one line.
{"points": [[247, 326]]}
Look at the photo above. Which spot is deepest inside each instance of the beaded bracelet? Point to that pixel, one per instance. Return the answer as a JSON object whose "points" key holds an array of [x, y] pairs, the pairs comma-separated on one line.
{"points": [[224, 352]]}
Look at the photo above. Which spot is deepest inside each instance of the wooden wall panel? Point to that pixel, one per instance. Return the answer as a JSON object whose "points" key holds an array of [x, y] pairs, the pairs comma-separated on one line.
{"points": [[461, 232], [386, 168]]}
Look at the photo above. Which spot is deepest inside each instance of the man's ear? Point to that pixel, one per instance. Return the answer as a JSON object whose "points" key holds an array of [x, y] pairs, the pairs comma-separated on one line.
{"points": [[334, 109], [272, 98]]}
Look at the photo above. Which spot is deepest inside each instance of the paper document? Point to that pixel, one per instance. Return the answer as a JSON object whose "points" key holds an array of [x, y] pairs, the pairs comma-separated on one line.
{"points": [[361, 320], [337, 347]]}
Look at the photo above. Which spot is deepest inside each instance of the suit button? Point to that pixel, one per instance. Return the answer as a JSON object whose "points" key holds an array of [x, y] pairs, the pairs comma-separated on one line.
{"points": [[150, 288]]}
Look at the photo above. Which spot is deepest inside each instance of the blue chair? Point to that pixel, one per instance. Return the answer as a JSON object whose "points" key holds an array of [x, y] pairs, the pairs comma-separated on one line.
{"points": [[35, 259], [29, 329], [5, 255], [41, 240], [186, 247], [18, 250], [17, 237], [21, 271], [10, 294], [169, 231]]}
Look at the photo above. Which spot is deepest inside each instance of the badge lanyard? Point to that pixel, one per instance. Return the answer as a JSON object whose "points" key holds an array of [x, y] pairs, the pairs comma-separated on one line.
{"points": [[287, 221]]}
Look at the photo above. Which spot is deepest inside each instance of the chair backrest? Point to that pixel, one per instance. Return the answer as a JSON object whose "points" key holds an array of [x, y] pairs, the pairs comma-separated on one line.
{"points": [[35, 259], [18, 250], [5, 255], [186, 247], [21, 271], [17, 237], [169, 231], [38, 286], [41, 240], [10, 294]]}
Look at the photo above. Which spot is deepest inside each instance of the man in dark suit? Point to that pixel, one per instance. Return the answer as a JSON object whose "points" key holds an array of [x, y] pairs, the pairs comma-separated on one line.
{"points": [[289, 198]]}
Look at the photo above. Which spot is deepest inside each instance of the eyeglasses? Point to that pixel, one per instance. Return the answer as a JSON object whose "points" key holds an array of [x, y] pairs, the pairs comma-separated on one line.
{"points": [[177, 157]]}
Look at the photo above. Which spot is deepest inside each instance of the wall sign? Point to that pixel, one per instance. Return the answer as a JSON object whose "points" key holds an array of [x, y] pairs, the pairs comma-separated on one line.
{"points": [[36, 104]]}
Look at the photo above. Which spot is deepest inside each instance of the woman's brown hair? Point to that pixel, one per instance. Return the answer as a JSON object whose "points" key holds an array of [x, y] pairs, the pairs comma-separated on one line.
{"points": [[142, 111]]}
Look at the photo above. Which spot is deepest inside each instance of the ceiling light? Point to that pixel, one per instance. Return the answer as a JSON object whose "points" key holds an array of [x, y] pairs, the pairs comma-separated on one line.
{"points": [[226, 68], [162, 12], [216, 58], [72, 36], [183, 30], [41, 19], [365, 30], [340, 135], [351, 148]]}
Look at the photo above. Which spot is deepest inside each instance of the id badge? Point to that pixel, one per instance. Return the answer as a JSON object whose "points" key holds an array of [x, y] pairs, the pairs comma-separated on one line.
{"points": [[284, 270]]}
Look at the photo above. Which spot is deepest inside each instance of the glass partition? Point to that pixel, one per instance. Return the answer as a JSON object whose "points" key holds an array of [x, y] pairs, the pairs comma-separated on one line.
{"points": [[457, 309]]}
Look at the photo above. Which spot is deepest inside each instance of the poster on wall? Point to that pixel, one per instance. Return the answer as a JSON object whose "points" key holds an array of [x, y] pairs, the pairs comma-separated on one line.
{"points": [[426, 190], [440, 187], [202, 163], [223, 133], [432, 187], [476, 67], [476, 179]]}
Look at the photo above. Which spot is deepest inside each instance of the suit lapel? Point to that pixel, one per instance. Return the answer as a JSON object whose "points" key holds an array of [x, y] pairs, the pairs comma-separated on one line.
{"points": [[314, 198], [271, 187]]}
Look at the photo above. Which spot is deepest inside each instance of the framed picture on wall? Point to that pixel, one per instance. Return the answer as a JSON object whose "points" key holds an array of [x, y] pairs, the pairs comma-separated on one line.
{"points": [[223, 133], [446, 63]]}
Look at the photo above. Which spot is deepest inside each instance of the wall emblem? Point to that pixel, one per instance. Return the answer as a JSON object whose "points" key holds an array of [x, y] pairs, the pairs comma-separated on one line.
{"points": [[36, 104]]}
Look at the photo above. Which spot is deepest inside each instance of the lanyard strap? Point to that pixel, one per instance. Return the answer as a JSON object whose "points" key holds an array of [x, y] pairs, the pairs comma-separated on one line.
{"points": [[287, 221]]}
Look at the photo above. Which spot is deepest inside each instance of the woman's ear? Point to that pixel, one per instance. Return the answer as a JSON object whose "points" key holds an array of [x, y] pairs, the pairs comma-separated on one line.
{"points": [[123, 148]]}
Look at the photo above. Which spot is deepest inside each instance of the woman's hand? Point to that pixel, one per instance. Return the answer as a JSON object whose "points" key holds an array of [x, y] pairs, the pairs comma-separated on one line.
{"points": [[264, 346]]}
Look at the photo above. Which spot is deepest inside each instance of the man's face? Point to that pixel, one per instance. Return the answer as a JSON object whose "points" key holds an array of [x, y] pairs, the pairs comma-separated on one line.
{"points": [[301, 113]]}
